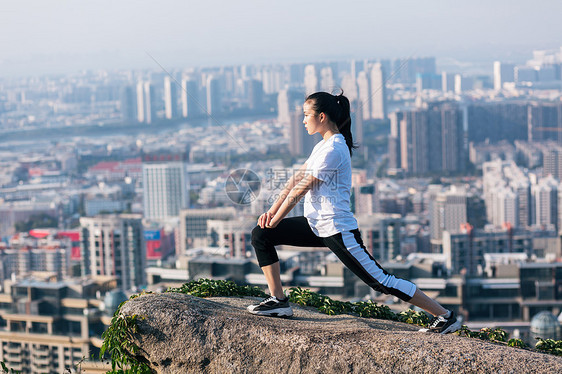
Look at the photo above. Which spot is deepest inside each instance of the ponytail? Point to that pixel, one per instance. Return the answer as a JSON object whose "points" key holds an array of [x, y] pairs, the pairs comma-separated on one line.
{"points": [[338, 109], [344, 122]]}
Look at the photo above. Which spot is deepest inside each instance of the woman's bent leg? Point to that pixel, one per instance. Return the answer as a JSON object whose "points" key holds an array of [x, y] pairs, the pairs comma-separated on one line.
{"points": [[291, 231], [273, 278]]}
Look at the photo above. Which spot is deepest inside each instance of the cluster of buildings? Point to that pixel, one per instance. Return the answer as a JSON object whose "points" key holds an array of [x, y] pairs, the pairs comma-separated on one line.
{"points": [[84, 222]]}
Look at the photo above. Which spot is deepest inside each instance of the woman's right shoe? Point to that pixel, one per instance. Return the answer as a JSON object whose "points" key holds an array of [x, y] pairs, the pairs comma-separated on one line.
{"points": [[273, 307]]}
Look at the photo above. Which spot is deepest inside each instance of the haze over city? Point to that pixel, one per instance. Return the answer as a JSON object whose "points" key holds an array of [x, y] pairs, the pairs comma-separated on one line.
{"points": [[65, 36]]}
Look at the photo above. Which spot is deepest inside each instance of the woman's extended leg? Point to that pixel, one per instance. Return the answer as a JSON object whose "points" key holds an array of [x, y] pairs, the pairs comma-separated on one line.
{"points": [[349, 248], [421, 300]]}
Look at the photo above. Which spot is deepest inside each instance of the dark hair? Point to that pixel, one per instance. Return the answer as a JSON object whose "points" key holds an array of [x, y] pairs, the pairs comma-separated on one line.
{"points": [[337, 108]]}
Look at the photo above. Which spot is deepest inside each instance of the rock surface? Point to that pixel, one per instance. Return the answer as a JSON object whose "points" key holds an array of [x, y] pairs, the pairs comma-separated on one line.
{"points": [[186, 334]]}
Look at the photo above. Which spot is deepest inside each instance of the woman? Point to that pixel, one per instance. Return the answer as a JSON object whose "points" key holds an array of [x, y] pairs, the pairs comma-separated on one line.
{"points": [[325, 182]]}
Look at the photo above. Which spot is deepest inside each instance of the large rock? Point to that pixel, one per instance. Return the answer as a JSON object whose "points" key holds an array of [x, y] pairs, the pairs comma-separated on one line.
{"points": [[186, 334]]}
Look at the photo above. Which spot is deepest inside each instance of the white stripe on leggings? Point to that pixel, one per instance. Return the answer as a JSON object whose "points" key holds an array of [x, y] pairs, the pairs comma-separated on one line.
{"points": [[370, 266]]}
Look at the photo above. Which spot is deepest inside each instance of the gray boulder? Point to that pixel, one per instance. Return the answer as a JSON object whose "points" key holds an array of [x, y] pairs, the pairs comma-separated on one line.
{"points": [[185, 334]]}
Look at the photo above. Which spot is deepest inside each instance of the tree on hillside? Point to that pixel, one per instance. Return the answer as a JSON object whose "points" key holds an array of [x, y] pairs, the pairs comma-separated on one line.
{"points": [[41, 220]]}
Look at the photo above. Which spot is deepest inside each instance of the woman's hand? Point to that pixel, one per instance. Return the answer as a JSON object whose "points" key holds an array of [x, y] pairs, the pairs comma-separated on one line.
{"points": [[272, 224], [265, 219]]}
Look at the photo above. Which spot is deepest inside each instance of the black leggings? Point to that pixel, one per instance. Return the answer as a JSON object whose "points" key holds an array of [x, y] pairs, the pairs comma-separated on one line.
{"points": [[347, 246]]}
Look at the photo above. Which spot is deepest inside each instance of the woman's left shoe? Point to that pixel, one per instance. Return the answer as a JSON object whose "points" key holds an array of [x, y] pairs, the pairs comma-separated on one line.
{"points": [[272, 306]]}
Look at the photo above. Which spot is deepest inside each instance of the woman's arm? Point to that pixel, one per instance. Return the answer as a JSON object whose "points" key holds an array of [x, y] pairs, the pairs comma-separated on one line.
{"points": [[292, 198], [291, 183], [265, 219]]}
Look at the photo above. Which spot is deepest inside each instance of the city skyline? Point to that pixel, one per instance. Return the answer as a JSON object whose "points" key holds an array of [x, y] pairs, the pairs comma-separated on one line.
{"points": [[143, 178], [141, 141], [39, 38]]}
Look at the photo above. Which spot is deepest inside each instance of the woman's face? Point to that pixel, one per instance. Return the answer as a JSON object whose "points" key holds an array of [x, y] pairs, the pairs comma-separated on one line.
{"points": [[311, 119]]}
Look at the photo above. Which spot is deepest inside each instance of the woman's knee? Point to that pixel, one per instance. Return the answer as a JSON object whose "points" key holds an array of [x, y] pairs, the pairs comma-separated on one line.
{"points": [[258, 234]]}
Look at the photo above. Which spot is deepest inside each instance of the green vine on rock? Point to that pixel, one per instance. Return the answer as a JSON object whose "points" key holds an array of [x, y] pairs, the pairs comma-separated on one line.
{"points": [[487, 333], [7, 370], [118, 343], [365, 309], [517, 343], [551, 346], [211, 288]]}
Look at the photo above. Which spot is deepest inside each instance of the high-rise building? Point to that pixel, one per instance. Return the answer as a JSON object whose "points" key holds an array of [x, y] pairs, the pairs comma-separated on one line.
{"points": [[349, 87], [190, 98], [356, 67], [165, 185], [273, 78], [51, 326], [428, 81], [447, 82], [525, 74], [430, 139], [497, 121], [465, 249], [545, 121], [545, 202], [327, 83], [363, 194], [113, 245], [448, 213], [232, 233], [27, 254], [394, 161], [145, 102], [378, 92], [414, 142], [522, 189], [170, 98], [552, 159], [507, 194], [506, 209], [462, 84], [296, 75], [214, 98], [503, 73], [357, 125], [140, 102], [548, 73], [381, 235], [149, 102], [452, 139], [255, 94], [195, 230], [310, 79], [364, 94], [128, 104], [287, 101], [283, 107]]}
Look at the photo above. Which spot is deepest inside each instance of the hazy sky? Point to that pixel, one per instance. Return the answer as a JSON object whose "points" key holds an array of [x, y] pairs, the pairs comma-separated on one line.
{"points": [[44, 36]]}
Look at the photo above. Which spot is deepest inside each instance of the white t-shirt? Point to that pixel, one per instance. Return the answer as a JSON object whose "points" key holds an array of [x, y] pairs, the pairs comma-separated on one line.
{"points": [[327, 205]]}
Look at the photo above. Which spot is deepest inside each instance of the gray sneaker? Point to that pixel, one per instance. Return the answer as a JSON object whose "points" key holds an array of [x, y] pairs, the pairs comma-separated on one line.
{"points": [[272, 306]]}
